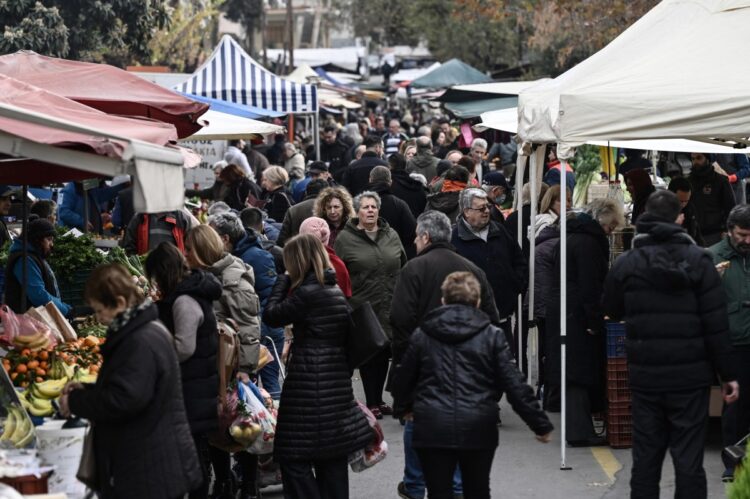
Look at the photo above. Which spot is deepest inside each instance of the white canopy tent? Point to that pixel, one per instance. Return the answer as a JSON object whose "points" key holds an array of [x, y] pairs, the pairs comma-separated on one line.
{"points": [[228, 126], [665, 77]]}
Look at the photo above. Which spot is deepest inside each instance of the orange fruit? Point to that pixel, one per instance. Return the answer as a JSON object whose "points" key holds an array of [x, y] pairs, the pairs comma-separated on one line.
{"points": [[41, 372], [25, 352], [21, 368], [39, 379], [44, 355], [33, 364]]}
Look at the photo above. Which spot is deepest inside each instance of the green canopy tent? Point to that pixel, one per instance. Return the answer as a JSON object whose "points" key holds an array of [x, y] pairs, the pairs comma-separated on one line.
{"points": [[453, 72]]}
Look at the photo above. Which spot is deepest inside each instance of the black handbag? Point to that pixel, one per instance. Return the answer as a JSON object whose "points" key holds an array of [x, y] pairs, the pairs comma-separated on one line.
{"points": [[87, 467], [366, 337]]}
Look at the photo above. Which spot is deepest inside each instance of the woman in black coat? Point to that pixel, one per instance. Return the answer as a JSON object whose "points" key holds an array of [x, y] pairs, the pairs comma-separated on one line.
{"points": [[186, 308], [238, 187], [277, 200], [588, 261], [142, 438], [457, 366], [319, 423]]}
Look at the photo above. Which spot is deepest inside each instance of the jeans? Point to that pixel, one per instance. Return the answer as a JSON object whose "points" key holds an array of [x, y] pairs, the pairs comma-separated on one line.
{"points": [[675, 421], [269, 375], [475, 466], [414, 483]]}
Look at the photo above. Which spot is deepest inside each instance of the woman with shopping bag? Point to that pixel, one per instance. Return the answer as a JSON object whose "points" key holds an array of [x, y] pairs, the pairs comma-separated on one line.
{"points": [[319, 423]]}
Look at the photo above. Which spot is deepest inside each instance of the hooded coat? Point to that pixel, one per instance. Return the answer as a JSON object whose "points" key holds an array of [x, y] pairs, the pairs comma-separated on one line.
{"points": [[670, 296], [41, 284], [457, 366], [240, 303], [373, 266], [142, 441], [424, 163], [398, 215], [318, 416], [445, 202], [250, 250], [410, 190], [200, 376]]}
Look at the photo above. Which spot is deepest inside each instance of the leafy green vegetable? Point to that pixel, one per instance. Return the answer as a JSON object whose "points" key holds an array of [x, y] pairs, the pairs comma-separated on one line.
{"points": [[73, 254]]}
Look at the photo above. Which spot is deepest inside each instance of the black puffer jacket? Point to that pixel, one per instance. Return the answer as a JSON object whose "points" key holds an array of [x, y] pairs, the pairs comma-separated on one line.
{"points": [[670, 296], [277, 204], [712, 199], [458, 365], [142, 440], [544, 270], [200, 376], [318, 416]]}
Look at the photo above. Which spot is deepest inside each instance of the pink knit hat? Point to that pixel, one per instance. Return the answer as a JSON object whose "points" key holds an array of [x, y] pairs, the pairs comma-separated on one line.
{"points": [[317, 227]]}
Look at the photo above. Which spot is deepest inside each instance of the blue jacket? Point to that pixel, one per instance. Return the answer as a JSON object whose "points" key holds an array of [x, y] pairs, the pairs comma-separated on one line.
{"points": [[36, 293], [298, 191], [250, 250], [70, 210]]}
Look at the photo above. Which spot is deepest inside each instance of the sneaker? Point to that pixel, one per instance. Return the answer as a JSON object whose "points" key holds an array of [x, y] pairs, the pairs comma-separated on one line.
{"points": [[385, 409], [728, 475], [375, 410], [401, 489]]}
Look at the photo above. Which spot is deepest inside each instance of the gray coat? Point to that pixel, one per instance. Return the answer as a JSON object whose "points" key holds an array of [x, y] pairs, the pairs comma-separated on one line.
{"points": [[240, 303]]}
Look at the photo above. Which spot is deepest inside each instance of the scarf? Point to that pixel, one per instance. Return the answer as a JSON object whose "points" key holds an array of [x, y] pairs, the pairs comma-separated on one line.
{"points": [[453, 186], [126, 316]]}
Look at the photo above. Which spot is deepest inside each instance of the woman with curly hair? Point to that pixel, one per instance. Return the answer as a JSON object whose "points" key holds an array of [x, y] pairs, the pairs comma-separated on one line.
{"points": [[335, 206]]}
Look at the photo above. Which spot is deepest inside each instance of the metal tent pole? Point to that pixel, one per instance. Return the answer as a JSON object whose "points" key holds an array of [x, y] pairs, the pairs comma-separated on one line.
{"points": [[563, 303], [533, 167], [25, 241], [520, 169]]}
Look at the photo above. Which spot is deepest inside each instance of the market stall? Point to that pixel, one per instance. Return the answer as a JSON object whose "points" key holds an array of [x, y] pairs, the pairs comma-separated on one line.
{"points": [[606, 97]]}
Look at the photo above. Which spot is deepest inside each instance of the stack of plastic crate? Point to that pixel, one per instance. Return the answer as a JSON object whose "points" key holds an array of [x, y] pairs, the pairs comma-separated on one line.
{"points": [[619, 412]]}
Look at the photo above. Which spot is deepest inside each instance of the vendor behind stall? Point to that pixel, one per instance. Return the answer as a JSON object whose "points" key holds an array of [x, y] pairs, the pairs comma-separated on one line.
{"points": [[41, 283]]}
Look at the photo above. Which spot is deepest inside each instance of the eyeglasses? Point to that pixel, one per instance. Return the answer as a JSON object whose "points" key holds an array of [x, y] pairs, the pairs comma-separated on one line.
{"points": [[481, 208]]}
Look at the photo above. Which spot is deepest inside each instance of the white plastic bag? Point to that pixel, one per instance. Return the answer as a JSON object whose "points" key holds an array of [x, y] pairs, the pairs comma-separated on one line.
{"points": [[263, 444]]}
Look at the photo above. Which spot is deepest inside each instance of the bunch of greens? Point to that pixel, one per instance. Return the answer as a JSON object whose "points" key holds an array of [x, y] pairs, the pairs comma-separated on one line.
{"points": [[73, 254], [587, 164]]}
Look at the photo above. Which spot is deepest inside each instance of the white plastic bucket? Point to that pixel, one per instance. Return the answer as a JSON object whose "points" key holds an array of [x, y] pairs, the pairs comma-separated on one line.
{"points": [[62, 449]]}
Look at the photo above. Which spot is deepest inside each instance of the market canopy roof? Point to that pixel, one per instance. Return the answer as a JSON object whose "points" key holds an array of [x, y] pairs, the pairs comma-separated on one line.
{"points": [[231, 75], [222, 126], [328, 94], [672, 74], [221, 106], [42, 147], [106, 88], [344, 57], [449, 74]]}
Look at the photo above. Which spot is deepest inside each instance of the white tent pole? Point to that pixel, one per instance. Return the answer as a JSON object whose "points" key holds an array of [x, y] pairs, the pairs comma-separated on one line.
{"points": [[518, 201], [563, 302], [533, 167], [316, 134]]}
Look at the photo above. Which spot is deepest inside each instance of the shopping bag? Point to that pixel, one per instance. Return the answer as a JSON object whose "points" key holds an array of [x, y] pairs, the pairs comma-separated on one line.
{"points": [[375, 451], [87, 467], [260, 415], [366, 337]]}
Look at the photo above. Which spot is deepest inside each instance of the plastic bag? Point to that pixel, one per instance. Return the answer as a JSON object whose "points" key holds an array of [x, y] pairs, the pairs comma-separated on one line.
{"points": [[21, 331], [228, 410], [375, 451], [258, 413]]}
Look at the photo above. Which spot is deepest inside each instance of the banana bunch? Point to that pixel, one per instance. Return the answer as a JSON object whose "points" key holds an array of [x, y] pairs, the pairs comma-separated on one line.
{"points": [[18, 429], [84, 376], [37, 400], [36, 341]]}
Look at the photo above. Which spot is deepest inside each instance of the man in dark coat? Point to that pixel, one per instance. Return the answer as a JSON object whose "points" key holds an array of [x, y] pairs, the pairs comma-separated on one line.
{"points": [[332, 152], [669, 294], [395, 211], [688, 220], [356, 177], [712, 198], [300, 212], [424, 162], [417, 292], [491, 248], [404, 187]]}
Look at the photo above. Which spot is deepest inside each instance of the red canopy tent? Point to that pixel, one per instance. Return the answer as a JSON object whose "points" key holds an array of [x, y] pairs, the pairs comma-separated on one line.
{"points": [[106, 88], [30, 98]]}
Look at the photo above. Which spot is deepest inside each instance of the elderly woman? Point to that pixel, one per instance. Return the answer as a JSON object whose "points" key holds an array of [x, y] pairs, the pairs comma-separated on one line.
{"points": [[277, 200], [588, 261], [373, 254], [334, 205], [142, 439]]}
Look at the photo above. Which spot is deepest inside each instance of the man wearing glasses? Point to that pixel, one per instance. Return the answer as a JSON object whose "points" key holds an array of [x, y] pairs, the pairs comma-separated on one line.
{"points": [[491, 248]]}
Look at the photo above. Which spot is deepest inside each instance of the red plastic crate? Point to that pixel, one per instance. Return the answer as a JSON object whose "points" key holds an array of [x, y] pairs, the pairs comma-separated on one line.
{"points": [[620, 438], [617, 364], [617, 410]]}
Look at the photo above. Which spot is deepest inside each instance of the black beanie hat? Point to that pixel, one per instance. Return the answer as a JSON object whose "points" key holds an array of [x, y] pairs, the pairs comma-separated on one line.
{"points": [[39, 229]]}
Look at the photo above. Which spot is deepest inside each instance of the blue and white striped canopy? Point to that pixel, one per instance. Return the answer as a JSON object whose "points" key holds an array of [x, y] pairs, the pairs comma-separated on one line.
{"points": [[231, 75]]}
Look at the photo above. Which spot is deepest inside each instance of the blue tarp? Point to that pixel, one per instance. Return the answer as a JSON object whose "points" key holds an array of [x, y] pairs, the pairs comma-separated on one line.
{"points": [[243, 111]]}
